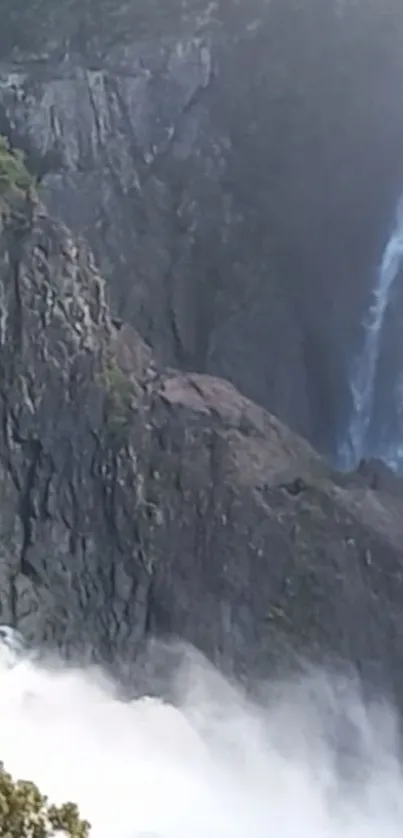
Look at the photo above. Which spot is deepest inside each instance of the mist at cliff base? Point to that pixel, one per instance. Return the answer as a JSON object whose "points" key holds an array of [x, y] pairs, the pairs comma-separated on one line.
{"points": [[311, 761]]}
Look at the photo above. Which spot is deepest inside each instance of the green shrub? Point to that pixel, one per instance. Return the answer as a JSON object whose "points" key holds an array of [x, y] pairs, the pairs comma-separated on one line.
{"points": [[14, 177], [26, 813]]}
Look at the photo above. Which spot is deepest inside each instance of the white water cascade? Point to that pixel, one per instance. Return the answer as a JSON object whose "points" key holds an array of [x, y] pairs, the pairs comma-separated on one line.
{"points": [[362, 381], [213, 766]]}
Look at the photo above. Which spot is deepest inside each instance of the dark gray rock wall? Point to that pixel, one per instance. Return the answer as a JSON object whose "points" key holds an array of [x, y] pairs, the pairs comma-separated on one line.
{"points": [[235, 168], [138, 501]]}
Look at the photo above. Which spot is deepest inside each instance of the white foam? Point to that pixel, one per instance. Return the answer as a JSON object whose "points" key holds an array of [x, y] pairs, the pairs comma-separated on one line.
{"points": [[217, 767]]}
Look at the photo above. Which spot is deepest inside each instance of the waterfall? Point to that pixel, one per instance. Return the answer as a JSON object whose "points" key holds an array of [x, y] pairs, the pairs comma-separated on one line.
{"points": [[313, 760], [363, 378]]}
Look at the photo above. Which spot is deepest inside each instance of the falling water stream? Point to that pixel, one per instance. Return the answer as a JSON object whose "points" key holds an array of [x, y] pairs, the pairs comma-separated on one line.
{"points": [[363, 377]]}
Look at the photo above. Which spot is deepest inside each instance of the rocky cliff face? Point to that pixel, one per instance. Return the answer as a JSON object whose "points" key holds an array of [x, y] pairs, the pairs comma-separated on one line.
{"points": [[235, 169], [141, 501]]}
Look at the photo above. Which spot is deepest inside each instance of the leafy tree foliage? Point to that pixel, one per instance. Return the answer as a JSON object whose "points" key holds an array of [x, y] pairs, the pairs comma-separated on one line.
{"points": [[26, 813]]}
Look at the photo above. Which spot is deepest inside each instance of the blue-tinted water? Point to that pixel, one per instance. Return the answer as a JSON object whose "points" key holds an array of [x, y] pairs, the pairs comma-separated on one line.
{"points": [[364, 371]]}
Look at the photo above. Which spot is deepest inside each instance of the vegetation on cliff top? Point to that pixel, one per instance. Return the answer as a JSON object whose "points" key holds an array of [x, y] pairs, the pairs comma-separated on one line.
{"points": [[26, 813]]}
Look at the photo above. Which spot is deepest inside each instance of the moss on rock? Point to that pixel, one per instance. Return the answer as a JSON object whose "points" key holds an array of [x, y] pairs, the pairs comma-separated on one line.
{"points": [[14, 176], [118, 402]]}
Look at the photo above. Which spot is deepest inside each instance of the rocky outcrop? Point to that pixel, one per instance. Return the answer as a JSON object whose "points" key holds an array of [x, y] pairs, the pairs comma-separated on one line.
{"points": [[140, 501], [235, 168]]}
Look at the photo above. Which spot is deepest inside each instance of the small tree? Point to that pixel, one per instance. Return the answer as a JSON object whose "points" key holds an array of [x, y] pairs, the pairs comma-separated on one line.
{"points": [[26, 813]]}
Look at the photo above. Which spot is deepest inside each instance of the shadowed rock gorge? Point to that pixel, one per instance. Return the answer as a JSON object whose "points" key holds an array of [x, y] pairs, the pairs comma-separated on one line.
{"points": [[235, 169]]}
